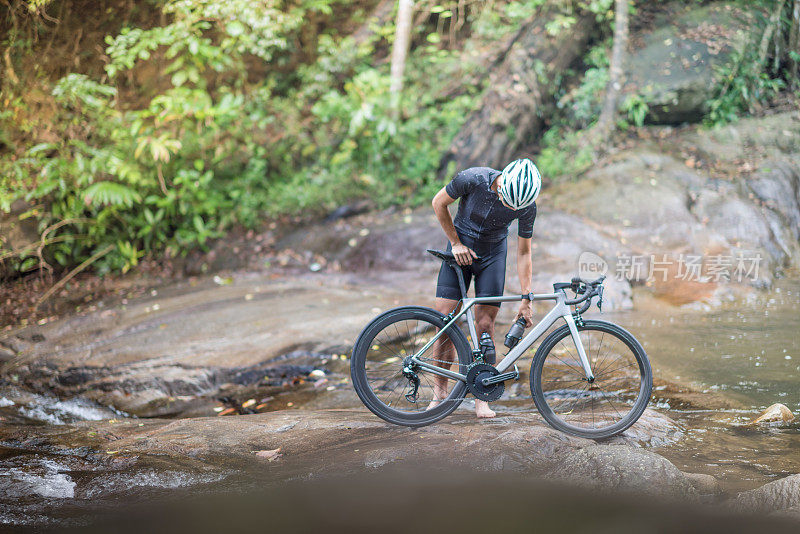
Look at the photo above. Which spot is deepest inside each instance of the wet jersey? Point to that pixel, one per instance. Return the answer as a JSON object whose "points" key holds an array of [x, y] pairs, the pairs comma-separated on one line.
{"points": [[481, 215]]}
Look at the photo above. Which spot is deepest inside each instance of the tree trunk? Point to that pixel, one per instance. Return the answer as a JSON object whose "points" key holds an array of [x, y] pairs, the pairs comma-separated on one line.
{"points": [[402, 38], [794, 45], [608, 113], [519, 95], [774, 20]]}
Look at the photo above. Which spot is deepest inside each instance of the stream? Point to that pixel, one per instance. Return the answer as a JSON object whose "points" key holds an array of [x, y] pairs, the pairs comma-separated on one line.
{"points": [[745, 355]]}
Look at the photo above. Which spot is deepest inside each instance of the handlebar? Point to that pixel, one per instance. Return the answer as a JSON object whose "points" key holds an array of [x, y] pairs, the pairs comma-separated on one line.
{"points": [[578, 280], [589, 289]]}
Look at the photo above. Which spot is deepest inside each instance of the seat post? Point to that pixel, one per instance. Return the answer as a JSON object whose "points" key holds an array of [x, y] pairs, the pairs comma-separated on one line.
{"points": [[461, 285], [470, 316]]}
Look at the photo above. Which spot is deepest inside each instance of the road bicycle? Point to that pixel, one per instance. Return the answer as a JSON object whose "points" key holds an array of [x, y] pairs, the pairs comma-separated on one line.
{"points": [[588, 378]]}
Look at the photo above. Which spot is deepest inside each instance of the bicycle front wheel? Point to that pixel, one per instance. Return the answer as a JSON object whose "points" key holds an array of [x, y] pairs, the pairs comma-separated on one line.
{"points": [[377, 366], [605, 407]]}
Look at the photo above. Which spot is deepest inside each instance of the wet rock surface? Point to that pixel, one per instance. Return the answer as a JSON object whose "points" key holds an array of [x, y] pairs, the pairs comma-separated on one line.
{"points": [[156, 356], [779, 496], [352, 439], [623, 468]]}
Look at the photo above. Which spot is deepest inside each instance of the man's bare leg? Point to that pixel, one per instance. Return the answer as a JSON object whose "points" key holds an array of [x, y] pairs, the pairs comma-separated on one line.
{"points": [[484, 317], [444, 350]]}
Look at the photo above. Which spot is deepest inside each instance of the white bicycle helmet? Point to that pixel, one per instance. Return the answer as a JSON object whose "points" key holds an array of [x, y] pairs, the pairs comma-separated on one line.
{"points": [[521, 183]]}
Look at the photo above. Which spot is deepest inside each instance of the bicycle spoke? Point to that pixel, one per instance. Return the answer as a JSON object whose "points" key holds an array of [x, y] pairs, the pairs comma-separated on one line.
{"points": [[594, 406], [385, 355]]}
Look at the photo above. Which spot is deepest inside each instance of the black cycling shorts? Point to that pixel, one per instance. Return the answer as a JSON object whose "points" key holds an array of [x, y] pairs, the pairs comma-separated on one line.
{"points": [[489, 271]]}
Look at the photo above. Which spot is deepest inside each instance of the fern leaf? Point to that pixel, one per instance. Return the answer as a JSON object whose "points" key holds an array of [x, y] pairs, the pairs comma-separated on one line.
{"points": [[111, 193]]}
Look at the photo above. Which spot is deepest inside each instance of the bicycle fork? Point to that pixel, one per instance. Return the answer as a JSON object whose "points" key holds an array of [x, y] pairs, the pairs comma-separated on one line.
{"points": [[573, 328]]}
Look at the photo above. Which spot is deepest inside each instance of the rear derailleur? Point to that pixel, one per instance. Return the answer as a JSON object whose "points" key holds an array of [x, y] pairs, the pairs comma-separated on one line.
{"points": [[409, 371]]}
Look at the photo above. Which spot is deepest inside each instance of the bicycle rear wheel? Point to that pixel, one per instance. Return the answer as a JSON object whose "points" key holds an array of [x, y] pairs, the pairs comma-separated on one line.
{"points": [[612, 402], [377, 366]]}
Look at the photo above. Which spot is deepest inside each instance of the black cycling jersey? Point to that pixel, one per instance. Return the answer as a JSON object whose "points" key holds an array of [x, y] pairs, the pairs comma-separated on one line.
{"points": [[481, 215]]}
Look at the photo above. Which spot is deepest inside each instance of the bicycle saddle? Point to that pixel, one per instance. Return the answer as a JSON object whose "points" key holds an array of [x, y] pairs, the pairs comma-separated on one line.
{"points": [[444, 256]]}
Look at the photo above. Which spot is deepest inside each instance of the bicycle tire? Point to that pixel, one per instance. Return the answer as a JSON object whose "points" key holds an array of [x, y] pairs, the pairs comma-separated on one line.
{"points": [[636, 409], [365, 342]]}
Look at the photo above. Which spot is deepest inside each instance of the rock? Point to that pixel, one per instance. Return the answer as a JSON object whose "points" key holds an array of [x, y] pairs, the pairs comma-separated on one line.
{"points": [[704, 484], [653, 429], [269, 455], [777, 184], [777, 413], [776, 136], [792, 513], [351, 439], [674, 68], [624, 468], [782, 494]]}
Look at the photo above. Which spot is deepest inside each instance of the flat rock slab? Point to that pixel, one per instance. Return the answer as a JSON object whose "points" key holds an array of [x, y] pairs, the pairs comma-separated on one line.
{"points": [[245, 320], [187, 341], [322, 442]]}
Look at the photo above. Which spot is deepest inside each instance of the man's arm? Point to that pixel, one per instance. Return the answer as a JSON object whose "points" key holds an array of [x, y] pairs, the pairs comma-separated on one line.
{"points": [[440, 202], [525, 272]]}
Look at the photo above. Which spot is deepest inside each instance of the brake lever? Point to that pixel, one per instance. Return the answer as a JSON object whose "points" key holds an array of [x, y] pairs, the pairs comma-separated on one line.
{"points": [[600, 298]]}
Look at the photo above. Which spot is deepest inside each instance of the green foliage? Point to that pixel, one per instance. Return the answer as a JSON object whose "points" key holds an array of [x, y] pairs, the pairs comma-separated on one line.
{"points": [[749, 80], [742, 84], [210, 144], [494, 22], [636, 108], [581, 105], [564, 153]]}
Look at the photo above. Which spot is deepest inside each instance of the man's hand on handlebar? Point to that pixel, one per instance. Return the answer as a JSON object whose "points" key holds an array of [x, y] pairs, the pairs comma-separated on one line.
{"points": [[464, 255]]}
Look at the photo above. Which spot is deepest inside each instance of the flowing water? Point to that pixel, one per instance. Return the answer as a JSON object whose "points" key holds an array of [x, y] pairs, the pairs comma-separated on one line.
{"points": [[745, 354]]}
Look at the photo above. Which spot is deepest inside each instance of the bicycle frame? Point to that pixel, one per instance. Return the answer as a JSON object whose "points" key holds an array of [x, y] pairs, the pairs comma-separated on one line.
{"points": [[560, 310]]}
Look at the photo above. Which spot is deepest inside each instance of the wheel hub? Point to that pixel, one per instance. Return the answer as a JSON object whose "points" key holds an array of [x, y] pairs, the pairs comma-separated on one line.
{"points": [[476, 374]]}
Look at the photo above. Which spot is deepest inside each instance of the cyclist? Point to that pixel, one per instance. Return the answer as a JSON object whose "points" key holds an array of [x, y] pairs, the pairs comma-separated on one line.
{"points": [[489, 200]]}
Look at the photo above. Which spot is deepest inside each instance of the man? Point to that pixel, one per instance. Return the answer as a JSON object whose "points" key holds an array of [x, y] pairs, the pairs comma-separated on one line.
{"points": [[488, 201]]}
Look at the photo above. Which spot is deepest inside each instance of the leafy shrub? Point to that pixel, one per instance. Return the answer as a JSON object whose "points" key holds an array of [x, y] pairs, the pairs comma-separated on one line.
{"points": [[209, 146], [742, 84], [564, 153]]}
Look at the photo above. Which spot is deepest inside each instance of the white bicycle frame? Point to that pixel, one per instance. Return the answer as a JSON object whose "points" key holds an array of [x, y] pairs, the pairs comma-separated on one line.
{"points": [[560, 310]]}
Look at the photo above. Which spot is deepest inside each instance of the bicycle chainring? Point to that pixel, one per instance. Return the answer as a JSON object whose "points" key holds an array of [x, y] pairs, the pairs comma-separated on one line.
{"points": [[475, 374]]}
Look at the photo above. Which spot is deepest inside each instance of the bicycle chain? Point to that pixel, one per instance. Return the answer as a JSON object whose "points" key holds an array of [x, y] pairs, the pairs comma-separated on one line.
{"points": [[457, 399]]}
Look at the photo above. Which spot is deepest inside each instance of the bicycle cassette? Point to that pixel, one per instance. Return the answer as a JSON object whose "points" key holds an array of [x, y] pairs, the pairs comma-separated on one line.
{"points": [[476, 373]]}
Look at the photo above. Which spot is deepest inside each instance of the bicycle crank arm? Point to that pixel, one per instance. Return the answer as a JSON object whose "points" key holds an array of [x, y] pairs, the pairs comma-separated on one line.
{"points": [[511, 375]]}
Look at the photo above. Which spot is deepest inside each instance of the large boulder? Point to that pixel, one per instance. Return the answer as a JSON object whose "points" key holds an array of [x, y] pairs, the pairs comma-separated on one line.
{"points": [[783, 494], [673, 66], [626, 468]]}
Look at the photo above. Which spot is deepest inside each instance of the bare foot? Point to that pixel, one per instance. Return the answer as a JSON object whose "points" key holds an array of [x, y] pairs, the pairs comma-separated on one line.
{"points": [[483, 411], [439, 395]]}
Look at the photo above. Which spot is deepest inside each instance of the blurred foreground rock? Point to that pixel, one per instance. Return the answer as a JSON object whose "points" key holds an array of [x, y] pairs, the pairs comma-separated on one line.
{"points": [[780, 495], [623, 468]]}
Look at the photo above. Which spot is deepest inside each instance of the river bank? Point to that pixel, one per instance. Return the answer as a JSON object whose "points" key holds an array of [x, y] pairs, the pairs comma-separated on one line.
{"points": [[187, 354]]}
